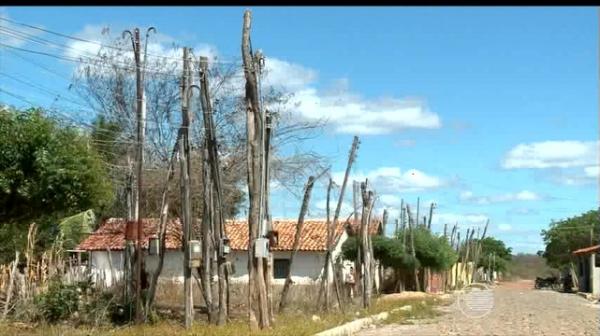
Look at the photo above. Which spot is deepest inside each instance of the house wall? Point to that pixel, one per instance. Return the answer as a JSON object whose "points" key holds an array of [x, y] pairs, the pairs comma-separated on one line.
{"points": [[595, 275], [307, 267], [101, 266]]}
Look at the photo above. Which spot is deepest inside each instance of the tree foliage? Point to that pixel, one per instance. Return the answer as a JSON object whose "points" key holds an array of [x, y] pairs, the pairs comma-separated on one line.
{"points": [[431, 251], [568, 235], [491, 246], [47, 171], [389, 251]]}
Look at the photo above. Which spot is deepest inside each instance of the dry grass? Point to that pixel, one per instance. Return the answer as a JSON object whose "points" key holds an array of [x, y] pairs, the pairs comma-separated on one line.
{"points": [[293, 322]]}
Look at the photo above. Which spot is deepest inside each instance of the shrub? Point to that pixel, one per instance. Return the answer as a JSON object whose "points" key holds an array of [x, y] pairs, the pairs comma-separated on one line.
{"points": [[58, 302], [390, 251]]}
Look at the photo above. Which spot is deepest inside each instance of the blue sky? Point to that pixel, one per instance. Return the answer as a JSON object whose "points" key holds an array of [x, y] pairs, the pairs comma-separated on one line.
{"points": [[489, 112]]}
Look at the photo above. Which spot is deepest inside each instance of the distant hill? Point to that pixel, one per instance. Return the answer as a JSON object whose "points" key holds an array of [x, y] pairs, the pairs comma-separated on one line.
{"points": [[528, 266]]}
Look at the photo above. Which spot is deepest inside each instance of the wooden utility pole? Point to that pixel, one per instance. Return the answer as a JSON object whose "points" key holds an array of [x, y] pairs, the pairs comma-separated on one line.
{"points": [[256, 176], [186, 205], [358, 262], [336, 215], [141, 119], [411, 230], [162, 226], [128, 256], [431, 207], [213, 159], [418, 209], [477, 253], [367, 197], [303, 209], [207, 235]]}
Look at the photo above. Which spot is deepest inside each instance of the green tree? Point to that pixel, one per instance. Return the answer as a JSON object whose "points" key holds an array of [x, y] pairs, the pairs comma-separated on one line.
{"points": [[389, 251], [568, 235], [47, 171], [491, 246], [433, 251]]}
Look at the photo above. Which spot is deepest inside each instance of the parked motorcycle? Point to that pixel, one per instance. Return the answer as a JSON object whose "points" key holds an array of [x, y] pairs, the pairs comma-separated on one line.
{"points": [[550, 282]]}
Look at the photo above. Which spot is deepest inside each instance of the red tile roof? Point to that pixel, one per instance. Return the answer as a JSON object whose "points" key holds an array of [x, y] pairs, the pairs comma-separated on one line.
{"points": [[314, 234], [587, 250], [111, 234]]}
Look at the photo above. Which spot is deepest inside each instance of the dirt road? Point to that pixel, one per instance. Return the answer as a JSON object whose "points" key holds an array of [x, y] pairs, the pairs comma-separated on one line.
{"points": [[517, 309]]}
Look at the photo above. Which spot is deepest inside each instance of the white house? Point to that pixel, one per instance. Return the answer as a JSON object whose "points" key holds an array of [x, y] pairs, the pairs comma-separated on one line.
{"points": [[588, 260], [106, 248]]}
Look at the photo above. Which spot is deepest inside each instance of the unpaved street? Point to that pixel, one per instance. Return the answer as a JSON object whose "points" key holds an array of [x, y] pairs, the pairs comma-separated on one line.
{"points": [[517, 310]]}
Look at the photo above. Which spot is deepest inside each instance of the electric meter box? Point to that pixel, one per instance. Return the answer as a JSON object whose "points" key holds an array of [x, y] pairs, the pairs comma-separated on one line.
{"points": [[261, 248], [153, 246], [195, 253], [225, 248]]}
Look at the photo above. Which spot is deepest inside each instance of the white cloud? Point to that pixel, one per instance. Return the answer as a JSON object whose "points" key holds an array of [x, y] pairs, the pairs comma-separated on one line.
{"points": [[392, 180], [345, 111], [524, 195], [592, 171], [504, 227], [289, 76], [549, 154], [350, 114]]}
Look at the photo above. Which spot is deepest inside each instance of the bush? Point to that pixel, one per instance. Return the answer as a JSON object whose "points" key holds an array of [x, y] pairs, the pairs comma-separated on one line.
{"points": [[390, 251], [58, 302]]}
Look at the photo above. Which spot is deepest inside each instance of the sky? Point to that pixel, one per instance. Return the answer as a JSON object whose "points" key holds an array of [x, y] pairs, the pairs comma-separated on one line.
{"points": [[491, 113]]}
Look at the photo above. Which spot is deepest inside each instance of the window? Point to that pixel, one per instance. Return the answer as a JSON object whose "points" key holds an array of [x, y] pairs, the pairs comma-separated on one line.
{"points": [[281, 268], [597, 259]]}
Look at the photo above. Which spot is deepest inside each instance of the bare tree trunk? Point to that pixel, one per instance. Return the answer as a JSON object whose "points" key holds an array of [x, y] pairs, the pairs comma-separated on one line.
{"points": [[297, 237]]}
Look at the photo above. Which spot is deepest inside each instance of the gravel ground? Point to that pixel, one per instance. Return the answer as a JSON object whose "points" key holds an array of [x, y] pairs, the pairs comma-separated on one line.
{"points": [[517, 309]]}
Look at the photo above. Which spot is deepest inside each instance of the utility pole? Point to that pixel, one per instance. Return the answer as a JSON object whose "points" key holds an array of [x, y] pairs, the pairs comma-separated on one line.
{"points": [[418, 209], [256, 178], [358, 262], [213, 158], [367, 197], [411, 230], [431, 207], [303, 210], [333, 224], [141, 117], [184, 150]]}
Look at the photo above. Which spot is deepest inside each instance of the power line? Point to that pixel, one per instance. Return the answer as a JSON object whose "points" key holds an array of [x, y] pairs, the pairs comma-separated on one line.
{"points": [[100, 44]]}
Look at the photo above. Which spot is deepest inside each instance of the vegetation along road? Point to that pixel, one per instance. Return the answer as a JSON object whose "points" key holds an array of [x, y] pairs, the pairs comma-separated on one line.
{"points": [[518, 309]]}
